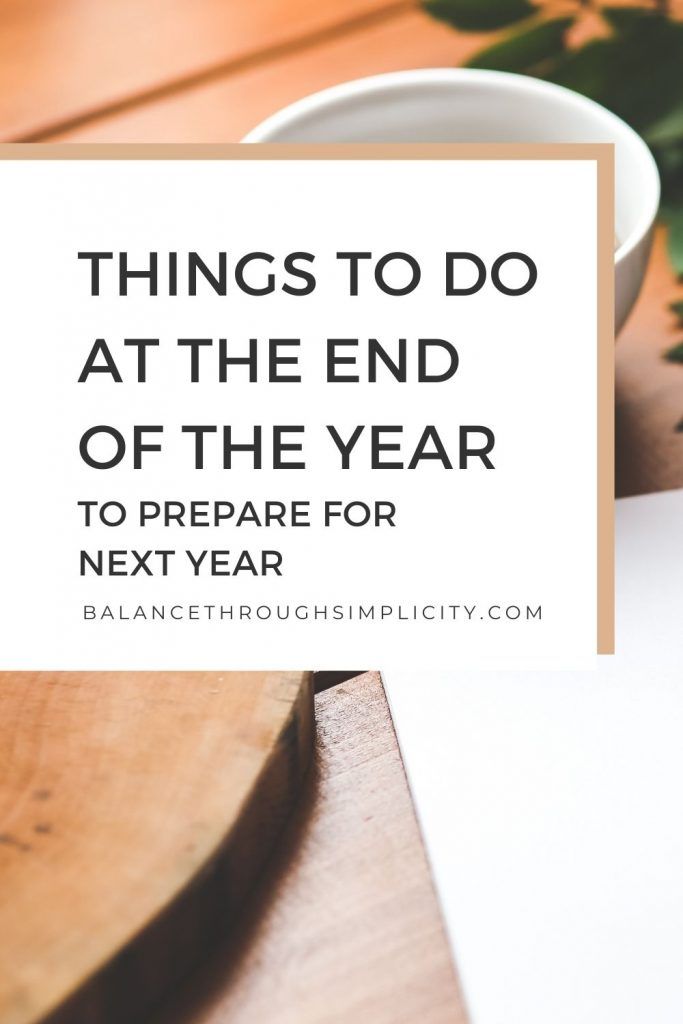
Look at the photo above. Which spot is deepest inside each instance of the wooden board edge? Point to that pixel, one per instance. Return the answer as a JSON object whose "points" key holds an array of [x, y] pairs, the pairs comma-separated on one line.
{"points": [[135, 980]]}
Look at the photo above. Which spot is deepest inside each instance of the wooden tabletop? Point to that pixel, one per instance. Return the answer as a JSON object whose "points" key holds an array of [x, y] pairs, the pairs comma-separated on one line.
{"points": [[345, 925], [136, 810]]}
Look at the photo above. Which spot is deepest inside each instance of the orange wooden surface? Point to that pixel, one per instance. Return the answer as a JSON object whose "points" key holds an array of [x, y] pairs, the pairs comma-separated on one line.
{"points": [[345, 927], [649, 390], [136, 810], [225, 108], [65, 60]]}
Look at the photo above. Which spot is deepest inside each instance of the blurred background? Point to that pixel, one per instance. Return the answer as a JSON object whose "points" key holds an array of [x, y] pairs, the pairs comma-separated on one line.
{"points": [[209, 70]]}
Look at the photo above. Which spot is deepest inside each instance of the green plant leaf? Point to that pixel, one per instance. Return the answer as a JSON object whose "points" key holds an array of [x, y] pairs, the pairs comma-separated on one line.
{"points": [[588, 70], [670, 162], [675, 354], [526, 47], [668, 130], [675, 239], [677, 308], [625, 19], [636, 74], [479, 15]]}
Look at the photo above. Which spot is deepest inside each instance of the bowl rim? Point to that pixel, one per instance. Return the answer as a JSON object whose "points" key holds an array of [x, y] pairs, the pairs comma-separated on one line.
{"points": [[395, 81]]}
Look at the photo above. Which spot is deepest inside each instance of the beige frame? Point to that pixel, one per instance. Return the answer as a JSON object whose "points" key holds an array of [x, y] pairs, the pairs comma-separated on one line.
{"points": [[601, 153]]}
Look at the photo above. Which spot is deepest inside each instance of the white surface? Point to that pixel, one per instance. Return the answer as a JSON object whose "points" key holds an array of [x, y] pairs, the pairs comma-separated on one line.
{"points": [[463, 537], [475, 105], [551, 809]]}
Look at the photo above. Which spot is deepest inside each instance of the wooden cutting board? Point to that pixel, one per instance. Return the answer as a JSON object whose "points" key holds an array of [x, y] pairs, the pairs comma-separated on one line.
{"points": [[135, 811]]}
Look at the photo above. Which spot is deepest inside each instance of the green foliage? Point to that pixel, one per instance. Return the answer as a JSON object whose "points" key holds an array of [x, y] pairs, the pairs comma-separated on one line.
{"points": [[668, 130], [675, 354], [636, 72], [537, 41], [635, 69], [479, 15], [675, 238], [625, 19]]}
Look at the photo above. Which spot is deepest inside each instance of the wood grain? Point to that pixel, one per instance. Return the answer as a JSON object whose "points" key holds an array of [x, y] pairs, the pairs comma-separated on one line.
{"points": [[62, 61], [135, 810], [224, 109], [344, 925]]}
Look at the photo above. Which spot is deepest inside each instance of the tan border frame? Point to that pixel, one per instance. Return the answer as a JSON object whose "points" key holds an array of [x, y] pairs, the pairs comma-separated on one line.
{"points": [[601, 153]]}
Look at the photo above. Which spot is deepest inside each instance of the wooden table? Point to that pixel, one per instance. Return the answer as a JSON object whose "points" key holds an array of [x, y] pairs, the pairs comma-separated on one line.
{"points": [[345, 925]]}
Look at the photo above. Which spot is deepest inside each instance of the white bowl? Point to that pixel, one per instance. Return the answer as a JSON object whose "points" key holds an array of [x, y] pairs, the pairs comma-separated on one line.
{"points": [[468, 105]]}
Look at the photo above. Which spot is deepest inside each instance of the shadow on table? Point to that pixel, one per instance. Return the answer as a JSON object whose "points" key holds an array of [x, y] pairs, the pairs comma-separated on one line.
{"points": [[206, 986]]}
